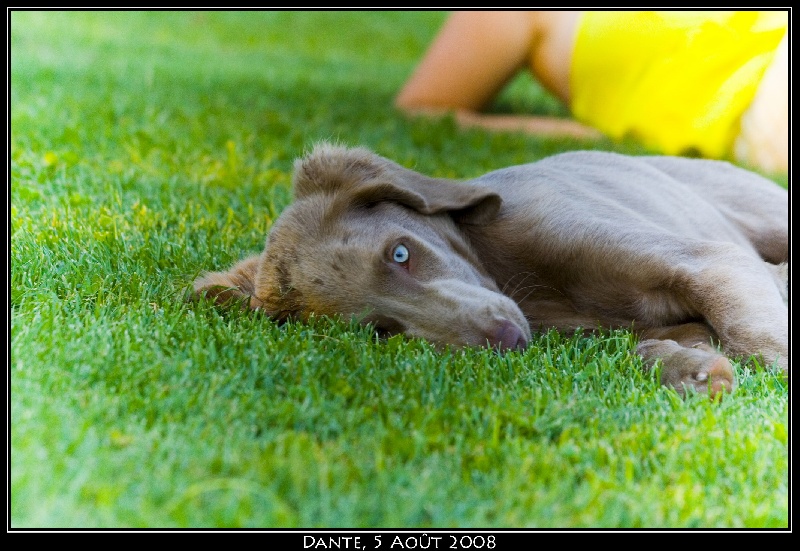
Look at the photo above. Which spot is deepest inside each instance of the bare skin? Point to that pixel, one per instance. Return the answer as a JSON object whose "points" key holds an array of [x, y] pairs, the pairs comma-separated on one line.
{"points": [[477, 53]]}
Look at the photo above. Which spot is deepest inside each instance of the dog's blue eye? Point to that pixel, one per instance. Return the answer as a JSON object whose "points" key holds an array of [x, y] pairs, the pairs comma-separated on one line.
{"points": [[400, 254]]}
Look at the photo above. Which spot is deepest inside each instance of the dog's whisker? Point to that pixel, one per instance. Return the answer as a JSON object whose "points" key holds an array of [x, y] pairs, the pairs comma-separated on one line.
{"points": [[520, 282], [530, 288], [523, 299]]}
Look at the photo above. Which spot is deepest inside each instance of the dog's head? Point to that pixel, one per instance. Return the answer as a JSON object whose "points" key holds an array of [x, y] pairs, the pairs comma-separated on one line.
{"points": [[366, 237]]}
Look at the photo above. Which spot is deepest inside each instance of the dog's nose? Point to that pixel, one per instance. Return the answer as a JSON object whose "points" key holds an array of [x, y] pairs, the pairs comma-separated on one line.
{"points": [[508, 337]]}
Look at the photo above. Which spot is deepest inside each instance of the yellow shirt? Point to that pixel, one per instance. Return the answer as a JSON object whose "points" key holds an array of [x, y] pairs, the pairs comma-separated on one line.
{"points": [[678, 82]]}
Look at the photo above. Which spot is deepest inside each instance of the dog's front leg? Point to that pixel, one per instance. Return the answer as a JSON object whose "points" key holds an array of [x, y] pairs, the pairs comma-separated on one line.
{"points": [[737, 296]]}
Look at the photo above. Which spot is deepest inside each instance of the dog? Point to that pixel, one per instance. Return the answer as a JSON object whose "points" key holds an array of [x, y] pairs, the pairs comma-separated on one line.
{"points": [[690, 254]]}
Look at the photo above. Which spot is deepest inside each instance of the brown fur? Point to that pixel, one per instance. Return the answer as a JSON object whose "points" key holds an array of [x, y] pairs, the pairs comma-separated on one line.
{"points": [[691, 254]]}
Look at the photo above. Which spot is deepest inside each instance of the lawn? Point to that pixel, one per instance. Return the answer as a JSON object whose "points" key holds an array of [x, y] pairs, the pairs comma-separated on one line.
{"points": [[148, 147]]}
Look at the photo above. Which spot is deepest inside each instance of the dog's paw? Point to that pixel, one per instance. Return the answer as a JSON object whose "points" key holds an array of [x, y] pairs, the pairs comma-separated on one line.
{"points": [[699, 371]]}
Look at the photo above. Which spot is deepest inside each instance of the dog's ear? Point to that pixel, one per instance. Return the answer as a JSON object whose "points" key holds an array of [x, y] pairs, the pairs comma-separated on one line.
{"points": [[236, 286], [253, 283], [330, 168], [467, 204], [370, 178]]}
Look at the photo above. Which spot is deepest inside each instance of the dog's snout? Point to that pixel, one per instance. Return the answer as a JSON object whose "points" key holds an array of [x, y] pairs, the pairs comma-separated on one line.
{"points": [[507, 336]]}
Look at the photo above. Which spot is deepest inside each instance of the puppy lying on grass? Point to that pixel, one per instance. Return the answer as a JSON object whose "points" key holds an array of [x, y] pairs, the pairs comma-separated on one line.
{"points": [[691, 254]]}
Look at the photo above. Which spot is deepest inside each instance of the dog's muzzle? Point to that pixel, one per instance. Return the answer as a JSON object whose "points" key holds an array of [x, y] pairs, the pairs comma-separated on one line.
{"points": [[507, 336]]}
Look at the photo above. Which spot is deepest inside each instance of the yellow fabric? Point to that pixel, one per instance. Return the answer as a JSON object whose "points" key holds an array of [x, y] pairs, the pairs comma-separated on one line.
{"points": [[677, 81]]}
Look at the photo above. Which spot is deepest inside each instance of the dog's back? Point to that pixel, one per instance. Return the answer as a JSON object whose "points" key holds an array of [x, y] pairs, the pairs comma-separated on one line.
{"points": [[605, 194]]}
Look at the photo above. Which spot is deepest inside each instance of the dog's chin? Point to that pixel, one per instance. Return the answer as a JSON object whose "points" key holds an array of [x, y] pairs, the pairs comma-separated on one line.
{"points": [[501, 334]]}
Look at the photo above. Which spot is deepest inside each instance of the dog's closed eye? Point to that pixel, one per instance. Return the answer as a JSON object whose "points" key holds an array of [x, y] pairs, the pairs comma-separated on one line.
{"points": [[386, 326]]}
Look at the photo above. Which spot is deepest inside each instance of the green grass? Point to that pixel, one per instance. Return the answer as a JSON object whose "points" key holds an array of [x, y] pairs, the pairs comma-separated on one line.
{"points": [[147, 147]]}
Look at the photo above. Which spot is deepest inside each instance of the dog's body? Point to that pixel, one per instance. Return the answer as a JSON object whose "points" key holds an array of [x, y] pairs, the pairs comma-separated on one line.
{"points": [[687, 253]]}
